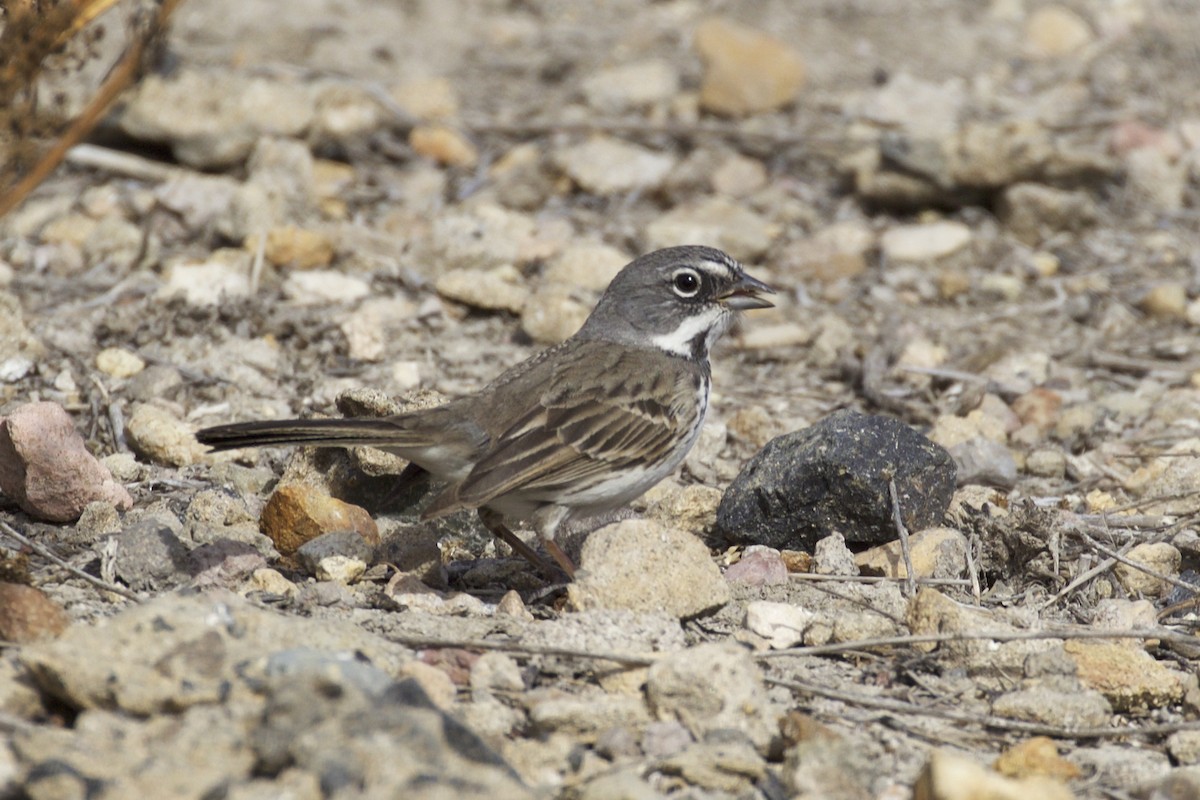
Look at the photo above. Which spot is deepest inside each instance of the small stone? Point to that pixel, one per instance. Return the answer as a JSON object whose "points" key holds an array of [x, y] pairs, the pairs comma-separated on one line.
{"points": [[631, 86], [692, 508], [119, 362], [617, 558], [1054, 31], [709, 687], [832, 557], [924, 242], [985, 462], [758, 566], [1166, 301], [341, 555], [777, 336], [949, 776], [45, 466], [117, 242], [604, 165], [838, 252], [553, 313], [745, 71], [272, 582], [368, 327], [484, 237], [935, 553], [719, 221], [443, 145], [739, 176], [150, 556], [427, 98], [498, 289], [1046, 462], [1184, 747], [511, 605], [781, 624], [160, 437], [1034, 212], [1129, 677], [224, 276], [1161, 557], [28, 615], [292, 247], [1038, 407], [830, 477], [345, 114], [1075, 707], [295, 514], [590, 266], [324, 286]]}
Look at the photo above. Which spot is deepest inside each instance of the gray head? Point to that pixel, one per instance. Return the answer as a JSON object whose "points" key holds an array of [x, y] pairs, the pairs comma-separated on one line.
{"points": [[680, 299]]}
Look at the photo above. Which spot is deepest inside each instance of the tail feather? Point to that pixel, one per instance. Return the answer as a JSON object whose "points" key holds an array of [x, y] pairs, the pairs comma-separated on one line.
{"points": [[314, 432]]}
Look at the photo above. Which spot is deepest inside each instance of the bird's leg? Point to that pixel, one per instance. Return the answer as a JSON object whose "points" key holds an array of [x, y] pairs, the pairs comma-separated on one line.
{"points": [[559, 556], [495, 524]]}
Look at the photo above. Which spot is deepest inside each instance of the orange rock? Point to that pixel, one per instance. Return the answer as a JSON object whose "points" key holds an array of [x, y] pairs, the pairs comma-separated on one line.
{"points": [[1038, 407], [443, 145], [28, 615], [294, 248], [1036, 756], [297, 513], [745, 70]]}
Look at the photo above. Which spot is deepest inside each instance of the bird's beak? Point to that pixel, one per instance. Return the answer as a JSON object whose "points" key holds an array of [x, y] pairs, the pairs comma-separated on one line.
{"points": [[745, 294]]}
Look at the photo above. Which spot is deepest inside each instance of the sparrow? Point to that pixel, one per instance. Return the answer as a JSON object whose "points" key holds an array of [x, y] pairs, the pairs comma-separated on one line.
{"points": [[577, 430]]}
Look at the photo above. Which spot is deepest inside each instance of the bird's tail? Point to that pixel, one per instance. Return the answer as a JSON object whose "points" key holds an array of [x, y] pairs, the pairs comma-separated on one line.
{"points": [[383, 432]]}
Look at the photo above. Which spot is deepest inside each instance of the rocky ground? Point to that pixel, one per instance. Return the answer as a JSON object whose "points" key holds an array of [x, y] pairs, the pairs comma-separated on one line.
{"points": [[982, 220]]}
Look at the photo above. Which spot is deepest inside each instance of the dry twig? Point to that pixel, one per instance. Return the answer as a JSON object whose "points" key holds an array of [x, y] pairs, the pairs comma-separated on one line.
{"points": [[50, 555]]}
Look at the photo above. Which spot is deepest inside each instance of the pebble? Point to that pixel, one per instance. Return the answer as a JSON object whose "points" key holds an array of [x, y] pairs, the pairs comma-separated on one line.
{"points": [[553, 312], [781, 624], [118, 243], [603, 165], [832, 557], [1161, 557], [160, 437], [717, 221], [119, 362], [773, 337], [224, 276], [443, 145], [617, 558], [369, 326], [428, 98], [318, 554], [46, 468], [1166, 301], [296, 514], [1034, 212], [935, 553], [949, 776], [293, 247], [838, 467], [27, 614], [324, 286], [1184, 747], [499, 289], [631, 86], [1130, 679], [1046, 462], [344, 115], [272, 582], [924, 242], [1054, 31], [745, 70], [211, 121], [838, 252], [150, 556], [1069, 707], [983, 461], [590, 266], [739, 176], [711, 687], [758, 566], [486, 236]]}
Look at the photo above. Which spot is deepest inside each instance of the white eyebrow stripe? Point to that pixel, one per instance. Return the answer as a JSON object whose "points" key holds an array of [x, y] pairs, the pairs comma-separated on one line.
{"points": [[717, 267]]}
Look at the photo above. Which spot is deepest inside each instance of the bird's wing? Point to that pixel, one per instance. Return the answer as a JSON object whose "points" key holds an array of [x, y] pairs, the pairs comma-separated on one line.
{"points": [[584, 424]]}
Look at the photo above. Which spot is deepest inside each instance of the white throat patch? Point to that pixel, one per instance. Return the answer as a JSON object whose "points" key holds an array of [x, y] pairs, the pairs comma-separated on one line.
{"points": [[712, 322]]}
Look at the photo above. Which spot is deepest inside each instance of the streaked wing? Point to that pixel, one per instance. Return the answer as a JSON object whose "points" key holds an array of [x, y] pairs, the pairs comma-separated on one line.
{"points": [[586, 423]]}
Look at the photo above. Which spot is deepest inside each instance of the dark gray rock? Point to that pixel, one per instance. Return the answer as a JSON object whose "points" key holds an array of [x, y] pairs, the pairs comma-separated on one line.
{"points": [[150, 556], [833, 476]]}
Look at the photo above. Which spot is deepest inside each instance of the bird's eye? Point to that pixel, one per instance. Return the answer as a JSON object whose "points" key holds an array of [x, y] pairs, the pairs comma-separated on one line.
{"points": [[686, 282]]}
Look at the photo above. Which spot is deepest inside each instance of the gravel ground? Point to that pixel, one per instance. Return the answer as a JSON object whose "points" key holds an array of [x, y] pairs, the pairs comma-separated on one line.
{"points": [[982, 221]]}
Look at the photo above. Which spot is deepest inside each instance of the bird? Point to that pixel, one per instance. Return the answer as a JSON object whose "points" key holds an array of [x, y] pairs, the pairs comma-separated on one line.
{"points": [[579, 429]]}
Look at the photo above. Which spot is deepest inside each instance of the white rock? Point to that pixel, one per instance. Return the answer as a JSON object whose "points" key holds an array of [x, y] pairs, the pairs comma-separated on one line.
{"points": [[225, 275], [633, 85], [604, 165], [590, 265], [715, 221], [342, 569], [924, 242], [553, 313], [119, 362], [781, 624], [324, 286], [499, 289]]}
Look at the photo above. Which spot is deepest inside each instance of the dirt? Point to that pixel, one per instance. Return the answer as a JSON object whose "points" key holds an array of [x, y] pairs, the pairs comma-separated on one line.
{"points": [[1063, 331]]}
